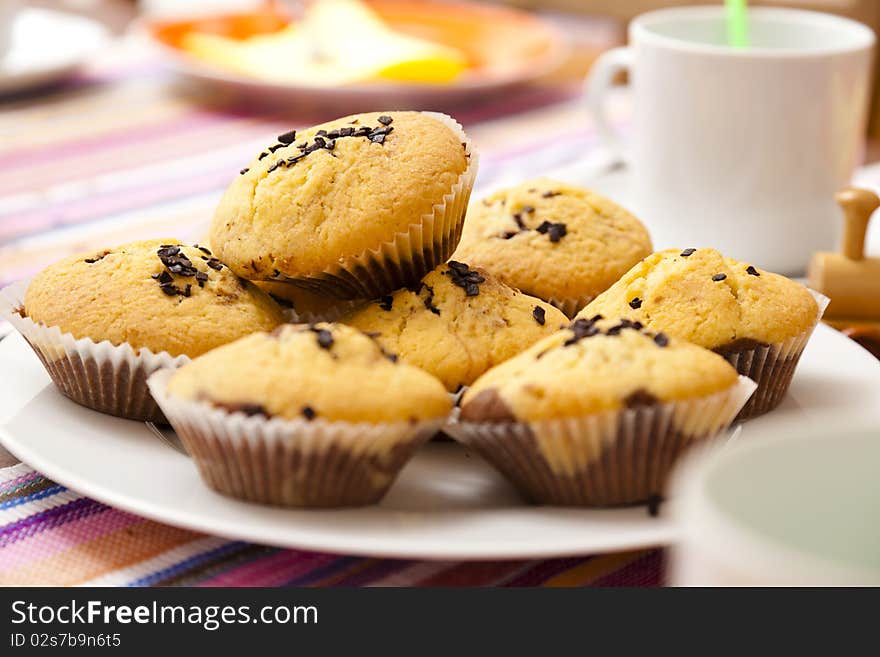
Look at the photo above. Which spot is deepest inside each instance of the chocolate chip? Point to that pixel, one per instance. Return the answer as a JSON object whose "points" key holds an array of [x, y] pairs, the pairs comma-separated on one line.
{"points": [[275, 147], [170, 290], [97, 258], [245, 407], [287, 137], [554, 231], [640, 397], [325, 338], [278, 163], [538, 314], [551, 194], [429, 300], [510, 234], [214, 264], [719, 277], [581, 328], [519, 221], [386, 302], [377, 139], [203, 249], [528, 209], [687, 252], [263, 154], [461, 275], [202, 278], [308, 413], [661, 339], [751, 271], [385, 120], [636, 303]]}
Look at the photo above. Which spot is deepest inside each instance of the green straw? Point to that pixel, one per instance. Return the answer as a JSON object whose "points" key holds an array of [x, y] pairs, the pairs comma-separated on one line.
{"points": [[737, 23]]}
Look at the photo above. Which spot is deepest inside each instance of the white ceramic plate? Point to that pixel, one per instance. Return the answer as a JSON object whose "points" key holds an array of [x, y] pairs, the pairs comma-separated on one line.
{"points": [[447, 503], [47, 46]]}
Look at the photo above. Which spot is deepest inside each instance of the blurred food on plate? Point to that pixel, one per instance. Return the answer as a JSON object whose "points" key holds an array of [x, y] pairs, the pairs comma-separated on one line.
{"points": [[335, 43]]}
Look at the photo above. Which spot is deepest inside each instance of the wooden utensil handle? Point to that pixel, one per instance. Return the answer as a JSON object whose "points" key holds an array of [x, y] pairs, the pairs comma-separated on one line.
{"points": [[858, 205]]}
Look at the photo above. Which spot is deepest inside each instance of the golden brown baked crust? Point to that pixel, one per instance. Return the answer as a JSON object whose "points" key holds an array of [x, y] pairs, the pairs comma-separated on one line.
{"points": [[716, 302], [552, 240], [321, 204], [458, 324], [327, 371], [158, 294], [595, 366]]}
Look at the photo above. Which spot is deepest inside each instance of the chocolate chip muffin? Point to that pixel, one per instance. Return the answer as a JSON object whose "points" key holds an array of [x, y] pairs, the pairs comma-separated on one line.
{"points": [[353, 208], [758, 320], [560, 243], [102, 321], [597, 413], [457, 323], [308, 415]]}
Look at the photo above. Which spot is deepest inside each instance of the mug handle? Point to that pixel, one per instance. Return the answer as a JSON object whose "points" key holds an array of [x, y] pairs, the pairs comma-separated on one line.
{"points": [[596, 86]]}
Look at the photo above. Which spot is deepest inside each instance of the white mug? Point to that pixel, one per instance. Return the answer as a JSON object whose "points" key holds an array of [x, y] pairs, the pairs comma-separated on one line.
{"points": [[793, 503], [741, 149]]}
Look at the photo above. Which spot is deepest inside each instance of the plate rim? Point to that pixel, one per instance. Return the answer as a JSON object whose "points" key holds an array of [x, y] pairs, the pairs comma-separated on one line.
{"points": [[659, 533]]}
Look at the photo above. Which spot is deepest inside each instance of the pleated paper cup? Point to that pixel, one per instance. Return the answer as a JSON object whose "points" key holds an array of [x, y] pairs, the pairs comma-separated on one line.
{"points": [[331, 314], [604, 459], [772, 366], [103, 376], [409, 255], [293, 463]]}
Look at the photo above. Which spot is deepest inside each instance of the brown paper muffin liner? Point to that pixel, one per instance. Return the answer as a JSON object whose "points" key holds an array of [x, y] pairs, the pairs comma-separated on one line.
{"points": [[604, 459], [771, 366], [296, 463], [332, 314], [105, 377], [409, 255]]}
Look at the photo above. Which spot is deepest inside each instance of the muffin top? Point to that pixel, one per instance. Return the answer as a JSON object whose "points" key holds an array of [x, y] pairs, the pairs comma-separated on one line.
{"points": [[307, 306], [552, 240], [716, 302], [326, 371], [458, 324], [595, 365], [334, 191], [156, 294]]}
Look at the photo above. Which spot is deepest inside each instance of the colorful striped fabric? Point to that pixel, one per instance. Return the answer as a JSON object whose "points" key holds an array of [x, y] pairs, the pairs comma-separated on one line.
{"points": [[117, 154], [49, 535]]}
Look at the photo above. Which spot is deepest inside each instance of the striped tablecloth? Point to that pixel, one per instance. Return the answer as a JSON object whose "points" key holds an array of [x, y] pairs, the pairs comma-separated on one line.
{"points": [[119, 153]]}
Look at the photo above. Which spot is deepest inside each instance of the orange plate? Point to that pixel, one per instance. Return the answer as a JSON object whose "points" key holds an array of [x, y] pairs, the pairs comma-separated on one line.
{"points": [[503, 46]]}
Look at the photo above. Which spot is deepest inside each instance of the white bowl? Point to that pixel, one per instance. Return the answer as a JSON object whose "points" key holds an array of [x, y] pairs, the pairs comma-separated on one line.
{"points": [[795, 504]]}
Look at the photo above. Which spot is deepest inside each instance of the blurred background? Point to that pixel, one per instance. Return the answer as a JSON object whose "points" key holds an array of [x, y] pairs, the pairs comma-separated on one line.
{"points": [[122, 119]]}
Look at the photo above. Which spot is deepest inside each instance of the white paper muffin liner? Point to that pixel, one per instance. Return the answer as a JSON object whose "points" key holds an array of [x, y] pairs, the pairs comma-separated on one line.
{"points": [[105, 377], [772, 366], [603, 459], [409, 255], [296, 463]]}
